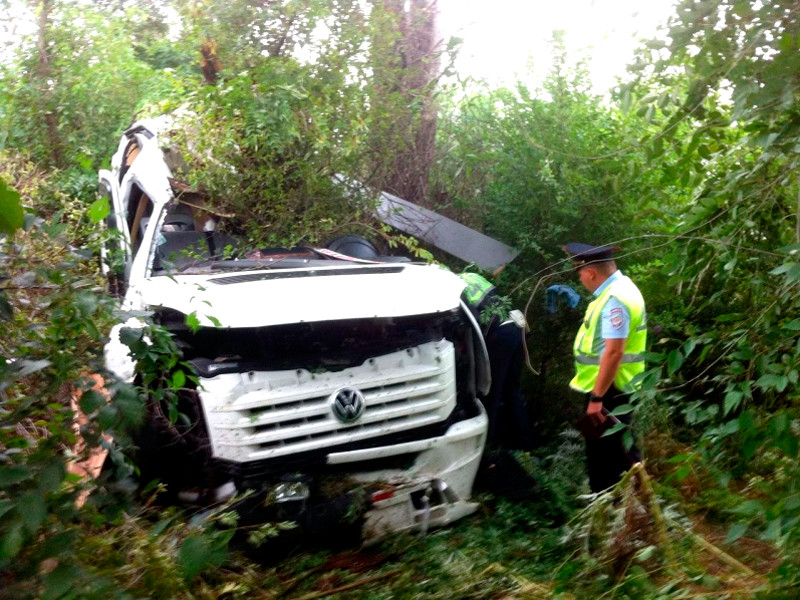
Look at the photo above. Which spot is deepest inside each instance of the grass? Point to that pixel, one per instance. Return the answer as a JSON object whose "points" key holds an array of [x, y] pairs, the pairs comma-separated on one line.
{"points": [[629, 544], [638, 542], [484, 556]]}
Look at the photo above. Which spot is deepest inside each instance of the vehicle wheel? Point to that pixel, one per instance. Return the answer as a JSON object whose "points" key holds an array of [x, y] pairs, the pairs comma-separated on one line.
{"points": [[353, 245]]}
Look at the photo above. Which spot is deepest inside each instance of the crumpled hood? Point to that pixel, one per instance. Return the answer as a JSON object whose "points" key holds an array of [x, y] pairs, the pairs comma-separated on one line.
{"points": [[281, 296]]}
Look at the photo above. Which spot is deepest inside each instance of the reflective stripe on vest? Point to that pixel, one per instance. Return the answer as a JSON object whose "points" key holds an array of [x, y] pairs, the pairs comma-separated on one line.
{"points": [[589, 342], [477, 288]]}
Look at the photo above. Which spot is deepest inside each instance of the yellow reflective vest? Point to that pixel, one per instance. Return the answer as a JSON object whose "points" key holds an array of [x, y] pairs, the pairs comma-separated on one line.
{"points": [[478, 287], [589, 343]]}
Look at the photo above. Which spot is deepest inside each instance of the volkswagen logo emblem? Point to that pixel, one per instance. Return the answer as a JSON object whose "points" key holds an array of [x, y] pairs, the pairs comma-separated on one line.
{"points": [[347, 404]]}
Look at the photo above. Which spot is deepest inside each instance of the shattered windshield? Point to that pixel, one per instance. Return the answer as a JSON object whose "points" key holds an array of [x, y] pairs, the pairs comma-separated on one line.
{"points": [[192, 241]]}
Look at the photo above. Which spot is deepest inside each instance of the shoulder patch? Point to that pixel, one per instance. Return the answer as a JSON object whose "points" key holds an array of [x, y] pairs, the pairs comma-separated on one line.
{"points": [[616, 317]]}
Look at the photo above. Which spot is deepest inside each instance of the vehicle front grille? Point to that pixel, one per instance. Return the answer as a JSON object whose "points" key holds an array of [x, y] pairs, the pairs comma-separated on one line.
{"points": [[260, 415]]}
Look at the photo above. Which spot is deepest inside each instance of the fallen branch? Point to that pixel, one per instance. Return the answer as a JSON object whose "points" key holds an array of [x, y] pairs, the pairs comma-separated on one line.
{"points": [[661, 524], [526, 587], [639, 471], [720, 554], [289, 585], [350, 586]]}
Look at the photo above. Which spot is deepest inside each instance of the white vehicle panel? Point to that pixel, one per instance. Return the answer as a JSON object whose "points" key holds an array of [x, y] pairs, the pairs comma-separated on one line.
{"points": [[368, 293]]}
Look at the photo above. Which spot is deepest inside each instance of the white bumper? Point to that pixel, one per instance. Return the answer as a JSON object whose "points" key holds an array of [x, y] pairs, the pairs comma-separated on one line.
{"points": [[434, 492]]}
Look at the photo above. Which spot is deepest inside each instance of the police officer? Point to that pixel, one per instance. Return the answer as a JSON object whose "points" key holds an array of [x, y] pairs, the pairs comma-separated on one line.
{"points": [[609, 353], [480, 295], [505, 403]]}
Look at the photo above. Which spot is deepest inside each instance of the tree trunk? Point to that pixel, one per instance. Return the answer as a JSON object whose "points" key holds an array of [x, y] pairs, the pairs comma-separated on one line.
{"points": [[413, 72], [209, 61], [44, 75]]}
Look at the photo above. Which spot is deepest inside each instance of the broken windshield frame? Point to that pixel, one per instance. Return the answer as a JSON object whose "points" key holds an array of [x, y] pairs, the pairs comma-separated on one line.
{"points": [[185, 243]]}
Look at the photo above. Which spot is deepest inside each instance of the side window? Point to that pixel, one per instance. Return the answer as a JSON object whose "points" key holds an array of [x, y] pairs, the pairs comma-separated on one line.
{"points": [[131, 152], [140, 209]]}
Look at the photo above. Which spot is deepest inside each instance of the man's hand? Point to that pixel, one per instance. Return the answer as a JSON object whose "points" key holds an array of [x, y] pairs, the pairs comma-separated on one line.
{"points": [[594, 410]]}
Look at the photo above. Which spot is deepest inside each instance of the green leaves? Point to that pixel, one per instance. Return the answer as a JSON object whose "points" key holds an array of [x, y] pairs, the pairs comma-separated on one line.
{"points": [[732, 401], [131, 335], [193, 322], [11, 214], [793, 325], [674, 361], [91, 400], [59, 582], [99, 209], [10, 476], [773, 382], [735, 532], [617, 427], [623, 409], [178, 380], [11, 541], [34, 511], [790, 270], [199, 552]]}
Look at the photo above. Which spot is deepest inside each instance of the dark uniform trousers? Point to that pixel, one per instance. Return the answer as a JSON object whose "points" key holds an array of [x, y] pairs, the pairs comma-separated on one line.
{"points": [[606, 457], [505, 404]]}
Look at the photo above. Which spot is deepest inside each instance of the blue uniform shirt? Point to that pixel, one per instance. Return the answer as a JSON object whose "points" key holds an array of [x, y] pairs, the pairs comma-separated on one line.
{"points": [[615, 318]]}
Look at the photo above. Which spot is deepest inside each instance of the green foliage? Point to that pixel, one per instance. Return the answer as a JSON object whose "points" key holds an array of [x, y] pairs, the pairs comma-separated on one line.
{"points": [[242, 37], [67, 108], [166, 554], [268, 152], [62, 534], [161, 373], [696, 154], [537, 167], [10, 209], [724, 95], [51, 345]]}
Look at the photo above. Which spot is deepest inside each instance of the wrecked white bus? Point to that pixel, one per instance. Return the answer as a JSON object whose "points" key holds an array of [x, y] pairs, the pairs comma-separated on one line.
{"points": [[311, 365]]}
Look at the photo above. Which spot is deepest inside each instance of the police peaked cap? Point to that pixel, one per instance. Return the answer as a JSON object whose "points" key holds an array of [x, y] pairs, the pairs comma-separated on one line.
{"points": [[583, 254]]}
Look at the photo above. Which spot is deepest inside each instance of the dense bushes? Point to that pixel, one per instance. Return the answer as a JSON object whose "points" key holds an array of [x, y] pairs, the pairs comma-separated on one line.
{"points": [[691, 164]]}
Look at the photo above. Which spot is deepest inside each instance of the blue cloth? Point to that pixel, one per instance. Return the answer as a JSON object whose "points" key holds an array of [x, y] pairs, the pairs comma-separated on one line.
{"points": [[563, 293]]}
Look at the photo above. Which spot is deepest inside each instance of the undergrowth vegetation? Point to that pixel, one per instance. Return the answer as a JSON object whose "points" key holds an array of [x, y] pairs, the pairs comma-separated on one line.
{"points": [[690, 164]]}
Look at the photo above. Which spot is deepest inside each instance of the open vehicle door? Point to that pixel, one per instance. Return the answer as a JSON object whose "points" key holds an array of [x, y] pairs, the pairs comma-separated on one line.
{"points": [[116, 253]]}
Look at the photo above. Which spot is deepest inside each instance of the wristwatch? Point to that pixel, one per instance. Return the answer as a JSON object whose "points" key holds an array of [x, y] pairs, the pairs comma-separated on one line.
{"points": [[594, 398]]}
